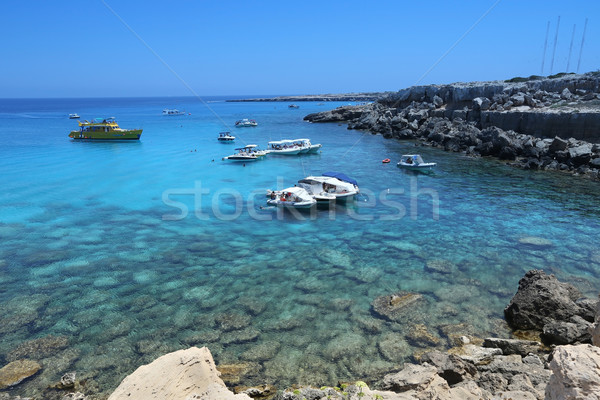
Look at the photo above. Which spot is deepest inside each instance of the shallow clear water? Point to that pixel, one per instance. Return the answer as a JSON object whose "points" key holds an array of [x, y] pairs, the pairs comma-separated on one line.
{"points": [[92, 253]]}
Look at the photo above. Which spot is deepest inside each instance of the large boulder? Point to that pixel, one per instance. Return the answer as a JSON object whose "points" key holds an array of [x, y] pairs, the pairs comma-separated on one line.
{"points": [[575, 373], [183, 374], [541, 299], [595, 329]]}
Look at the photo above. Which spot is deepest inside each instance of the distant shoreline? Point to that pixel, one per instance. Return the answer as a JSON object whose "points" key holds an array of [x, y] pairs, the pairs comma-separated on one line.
{"points": [[366, 96]]}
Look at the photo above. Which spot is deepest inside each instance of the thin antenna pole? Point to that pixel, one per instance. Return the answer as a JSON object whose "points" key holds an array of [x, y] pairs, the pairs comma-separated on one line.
{"points": [[581, 48], [570, 49], [554, 50], [545, 46]]}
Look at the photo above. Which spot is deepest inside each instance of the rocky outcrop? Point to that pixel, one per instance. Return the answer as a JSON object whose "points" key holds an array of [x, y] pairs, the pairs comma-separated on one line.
{"points": [[545, 124], [595, 329], [575, 373], [556, 309], [184, 374]]}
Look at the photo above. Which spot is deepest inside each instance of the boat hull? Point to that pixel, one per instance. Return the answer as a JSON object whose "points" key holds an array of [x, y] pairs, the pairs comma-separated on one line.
{"points": [[303, 205], [134, 134]]}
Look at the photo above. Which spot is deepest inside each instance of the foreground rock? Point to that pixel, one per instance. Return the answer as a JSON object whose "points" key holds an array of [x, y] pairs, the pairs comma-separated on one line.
{"points": [[576, 373], [184, 374]]}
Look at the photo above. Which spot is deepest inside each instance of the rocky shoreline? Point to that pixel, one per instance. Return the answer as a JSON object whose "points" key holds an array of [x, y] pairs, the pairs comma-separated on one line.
{"points": [[541, 123], [553, 354], [366, 96]]}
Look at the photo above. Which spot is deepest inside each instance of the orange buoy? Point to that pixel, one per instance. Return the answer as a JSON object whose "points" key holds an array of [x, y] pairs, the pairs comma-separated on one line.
{"points": [[387, 160]]}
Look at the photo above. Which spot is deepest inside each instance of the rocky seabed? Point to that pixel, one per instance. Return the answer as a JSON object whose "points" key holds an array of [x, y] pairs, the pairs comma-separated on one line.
{"points": [[547, 124], [553, 354]]}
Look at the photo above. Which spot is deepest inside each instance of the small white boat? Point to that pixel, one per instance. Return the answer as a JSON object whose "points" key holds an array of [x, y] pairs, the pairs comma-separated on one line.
{"points": [[415, 162], [285, 147], [308, 146], [226, 137], [243, 123], [250, 152], [293, 197], [74, 116], [173, 111], [330, 186], [293, 106]]}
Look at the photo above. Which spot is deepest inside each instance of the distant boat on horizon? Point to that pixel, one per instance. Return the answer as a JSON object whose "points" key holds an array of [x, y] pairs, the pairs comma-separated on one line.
{"points": [[74, 116]]}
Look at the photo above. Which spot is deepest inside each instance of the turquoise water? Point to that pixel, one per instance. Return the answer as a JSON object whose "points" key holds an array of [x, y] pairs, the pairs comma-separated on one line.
{"points": [[93, 255]]}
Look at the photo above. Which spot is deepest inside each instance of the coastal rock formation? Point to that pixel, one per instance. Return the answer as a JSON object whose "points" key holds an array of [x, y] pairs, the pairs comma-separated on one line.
{"points": [[595, 330], [556, 309], [575, 373], [184, 374], [542, 123]]}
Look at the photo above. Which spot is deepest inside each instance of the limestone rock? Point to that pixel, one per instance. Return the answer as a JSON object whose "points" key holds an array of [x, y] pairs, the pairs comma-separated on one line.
{"points": [[595, 330], [184, 374], [412, 377], [450, 367], [575, 373], [15, 372]]}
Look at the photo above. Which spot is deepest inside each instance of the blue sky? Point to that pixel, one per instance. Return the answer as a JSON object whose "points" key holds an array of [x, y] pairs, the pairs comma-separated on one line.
{"points": [[81, 49]]}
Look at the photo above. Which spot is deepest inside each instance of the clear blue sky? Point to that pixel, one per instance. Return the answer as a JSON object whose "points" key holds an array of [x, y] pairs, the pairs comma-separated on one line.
{"points": [[81, 49]]}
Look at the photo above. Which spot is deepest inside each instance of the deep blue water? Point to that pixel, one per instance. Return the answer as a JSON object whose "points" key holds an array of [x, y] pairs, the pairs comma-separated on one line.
{"points": [[92, 253]]}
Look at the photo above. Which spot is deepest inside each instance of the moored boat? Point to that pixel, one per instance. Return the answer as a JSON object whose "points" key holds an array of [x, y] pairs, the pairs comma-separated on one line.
{"points": [[226, 137], [285, 147], [74, 116], [250, 152], [244, 123], [174, 111], [293, 106], [293, 197], [104, 129], [308, 146], [415, 162], [330, 186]]}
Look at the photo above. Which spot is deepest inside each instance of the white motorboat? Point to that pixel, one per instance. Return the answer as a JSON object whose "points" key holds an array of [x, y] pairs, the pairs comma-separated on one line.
{"points": [[168, 111], [330, 186], [293, 197], [308, 146], [285, 147], [415, 162], [74, 116], [226, 137], [250, 152], [244, 123]]}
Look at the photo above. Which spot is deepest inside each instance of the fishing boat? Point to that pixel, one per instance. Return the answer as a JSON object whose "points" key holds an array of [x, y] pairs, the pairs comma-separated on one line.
{"points": [[244, 123], [293, 197], [226, 137], [415, 162], [286, 147], [104, 129], [173, 111], [74, 116], [330, 186]]}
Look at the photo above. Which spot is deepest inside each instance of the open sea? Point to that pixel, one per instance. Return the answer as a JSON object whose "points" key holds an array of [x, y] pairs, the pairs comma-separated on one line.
{"points": [[113, 254]]}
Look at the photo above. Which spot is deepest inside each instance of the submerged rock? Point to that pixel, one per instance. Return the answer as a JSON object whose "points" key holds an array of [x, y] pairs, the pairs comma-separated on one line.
{"points": [[38, 348], [17, 371], [394, 307]]}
